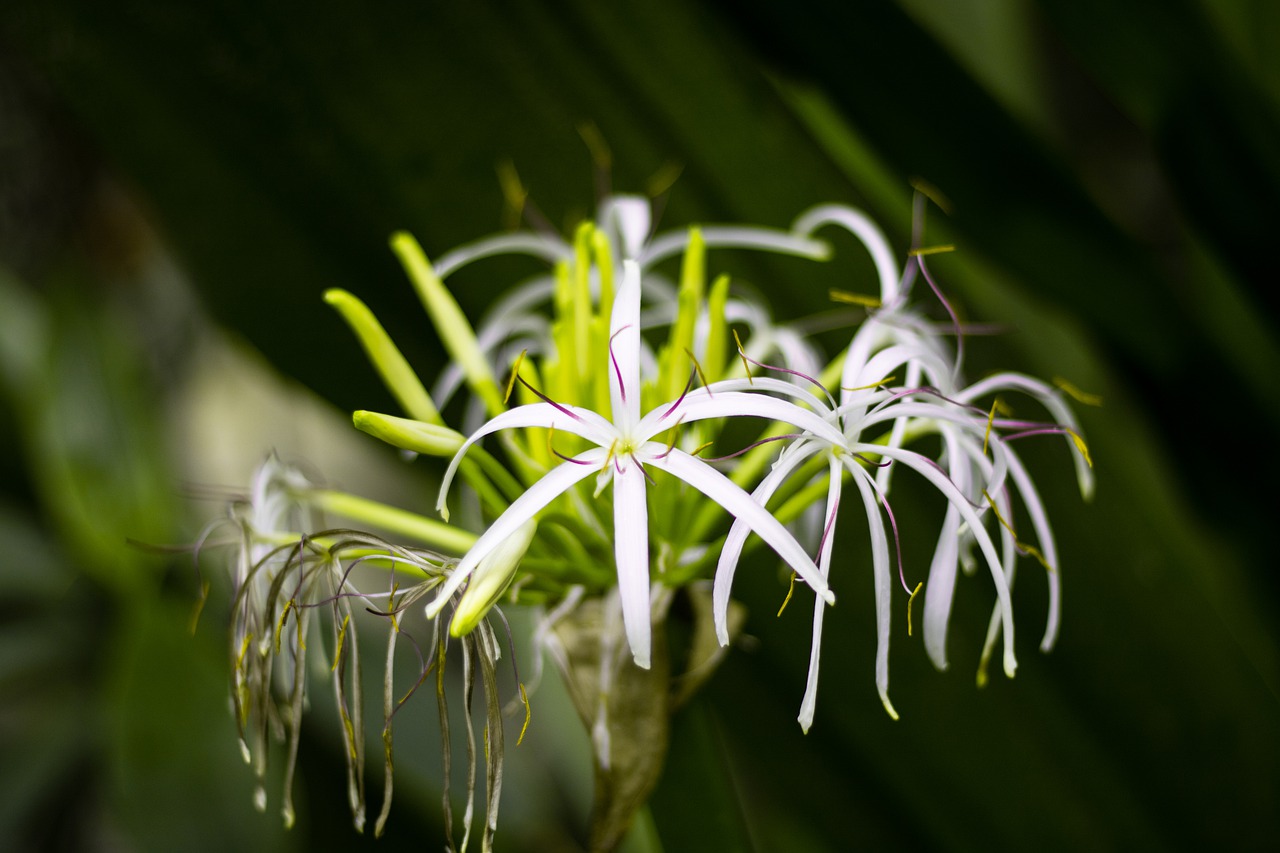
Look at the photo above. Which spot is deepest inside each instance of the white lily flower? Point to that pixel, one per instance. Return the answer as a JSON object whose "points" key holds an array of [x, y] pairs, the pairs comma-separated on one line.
{"points": [[624, 448], [849, 451]]}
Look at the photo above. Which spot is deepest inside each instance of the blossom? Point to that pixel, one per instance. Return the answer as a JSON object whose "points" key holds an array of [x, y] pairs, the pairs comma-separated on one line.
{"points": [[624, 448], [897, 341]]}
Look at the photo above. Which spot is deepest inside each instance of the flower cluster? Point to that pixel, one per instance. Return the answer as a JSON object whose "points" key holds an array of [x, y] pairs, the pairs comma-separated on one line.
{"points": [[606, 391]]}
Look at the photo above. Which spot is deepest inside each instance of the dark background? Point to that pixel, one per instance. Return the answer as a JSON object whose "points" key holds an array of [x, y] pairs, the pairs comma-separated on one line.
{"points": [[1113, 171]]}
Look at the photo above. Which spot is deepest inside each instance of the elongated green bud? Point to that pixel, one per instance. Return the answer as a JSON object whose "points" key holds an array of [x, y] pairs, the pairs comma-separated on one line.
{"points": [[451, 324], [427, 439], [491, 579], [396, 373]]}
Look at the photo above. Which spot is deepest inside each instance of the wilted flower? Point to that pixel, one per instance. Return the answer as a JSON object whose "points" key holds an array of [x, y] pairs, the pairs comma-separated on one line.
{"points": [[296, 582]]}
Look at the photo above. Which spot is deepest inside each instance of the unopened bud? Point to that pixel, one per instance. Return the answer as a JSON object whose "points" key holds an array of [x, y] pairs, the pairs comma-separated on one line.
{"points": [[491, 579]]}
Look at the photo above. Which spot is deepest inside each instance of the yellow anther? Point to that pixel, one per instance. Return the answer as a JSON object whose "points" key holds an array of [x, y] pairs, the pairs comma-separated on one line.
{"points": [[284, 615], [515, 374], [884, 381], [932, 193], [702, 447], [663, 179], [848, 298], [514, 193], [931, 250], [1076, 394], [1081, 446], [742, 353], [911, 601], [244, 649], [791, 589], [551, 432], [528, 713], [982, 671], [601, 156], [671, 445], [391, 607], [342, 636], [991, 417], [1022, 546], [199, 608], [697, 368]]}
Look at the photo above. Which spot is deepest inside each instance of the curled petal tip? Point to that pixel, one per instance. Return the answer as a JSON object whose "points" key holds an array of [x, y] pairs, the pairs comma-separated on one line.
{"points": [[888, 706]]}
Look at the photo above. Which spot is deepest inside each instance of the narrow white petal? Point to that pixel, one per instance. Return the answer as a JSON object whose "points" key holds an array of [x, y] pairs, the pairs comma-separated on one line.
{"points": [[740, 530], [738, 503], [961, 503], [582, 422], [1051, 400], [764, 383], [737, 237], [1044, 540], [523, 242], [630, 215], [865, 230], [631, 550], [809, 704], [939, 590], [624, 349], [553, 484], [880, 574], [731, 404]]}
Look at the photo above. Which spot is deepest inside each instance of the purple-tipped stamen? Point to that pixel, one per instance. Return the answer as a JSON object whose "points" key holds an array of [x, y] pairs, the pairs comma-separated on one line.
{"points": [[791, 372], [897, 540], [752, 446], [955, 320], [687, 387], [544, 398], [622, 388], [826, 531]]}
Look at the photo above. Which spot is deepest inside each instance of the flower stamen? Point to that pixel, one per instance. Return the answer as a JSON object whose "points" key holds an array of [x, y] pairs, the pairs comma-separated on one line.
{"points": [[790, 591]]}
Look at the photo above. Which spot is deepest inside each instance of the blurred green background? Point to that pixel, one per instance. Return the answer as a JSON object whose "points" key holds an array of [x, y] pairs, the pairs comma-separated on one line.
{"points": [[180, 182]]}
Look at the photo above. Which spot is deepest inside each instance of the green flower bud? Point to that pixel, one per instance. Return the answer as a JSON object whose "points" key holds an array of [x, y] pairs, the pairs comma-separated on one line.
{"points": [[491, 579]]}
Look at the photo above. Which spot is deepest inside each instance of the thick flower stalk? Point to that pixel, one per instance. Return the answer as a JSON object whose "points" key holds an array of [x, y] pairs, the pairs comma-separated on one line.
{"points": [[631, 427]]}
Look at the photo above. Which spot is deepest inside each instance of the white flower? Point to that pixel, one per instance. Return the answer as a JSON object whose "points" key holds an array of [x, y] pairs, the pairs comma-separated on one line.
{"points": [[624, 448]]}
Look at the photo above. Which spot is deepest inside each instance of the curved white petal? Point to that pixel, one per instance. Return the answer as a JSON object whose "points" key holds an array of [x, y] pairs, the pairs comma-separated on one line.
{"points": [[630, 215], [966, 510], [579, 421], [631, 551], [880, 573], [810, 701], [624, 349], [552, 484], [1044, 540], [523, 242], [1051, 400], [732, 404], [737, 237], [865, 230], [939, 590], [765, 383], [740, 530], [738, 503]]}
